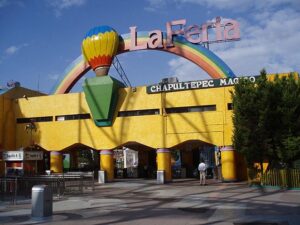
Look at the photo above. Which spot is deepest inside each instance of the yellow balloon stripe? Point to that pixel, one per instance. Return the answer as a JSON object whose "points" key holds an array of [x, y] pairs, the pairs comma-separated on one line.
{"points": [[100, 45], [110, 46]]}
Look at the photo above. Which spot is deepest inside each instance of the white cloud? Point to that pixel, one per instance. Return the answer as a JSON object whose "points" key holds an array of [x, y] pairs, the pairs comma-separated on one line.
{"points": [[60, 5], [220, 4], [232, 5], [11, 50], [14, 49], [269, 39], [64, 4], [244, 5], [185, 70], [272, 44], [155, 5]]}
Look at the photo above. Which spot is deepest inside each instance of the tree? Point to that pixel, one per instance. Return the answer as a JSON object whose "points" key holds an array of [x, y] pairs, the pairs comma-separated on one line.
{"points": [[288, 146], [266, 119], [249, 118]]}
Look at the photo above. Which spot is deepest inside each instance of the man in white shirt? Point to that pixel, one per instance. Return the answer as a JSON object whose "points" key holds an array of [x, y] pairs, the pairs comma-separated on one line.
{"points": [[202, 169]]}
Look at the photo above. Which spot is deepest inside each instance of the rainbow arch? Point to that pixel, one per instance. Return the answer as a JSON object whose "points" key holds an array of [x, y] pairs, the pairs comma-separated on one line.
{"points": [[201, 56]]}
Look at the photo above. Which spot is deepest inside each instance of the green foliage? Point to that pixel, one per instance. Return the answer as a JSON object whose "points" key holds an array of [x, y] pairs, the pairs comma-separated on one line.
{"points": [[290, 150], [267, 120]]}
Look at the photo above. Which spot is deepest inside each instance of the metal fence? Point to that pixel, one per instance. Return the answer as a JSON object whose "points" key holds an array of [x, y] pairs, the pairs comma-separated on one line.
{"points": [[285, 178], [14, 188]]}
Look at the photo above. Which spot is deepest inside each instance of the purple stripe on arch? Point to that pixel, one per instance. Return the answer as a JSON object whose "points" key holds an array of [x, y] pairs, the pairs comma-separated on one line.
{"points": [[163, 150], [227, 148], [55, 153], [106, 152]]}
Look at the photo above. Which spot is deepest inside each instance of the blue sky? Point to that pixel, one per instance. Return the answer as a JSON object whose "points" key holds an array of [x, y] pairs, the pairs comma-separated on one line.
{"points": [[40, 38]]}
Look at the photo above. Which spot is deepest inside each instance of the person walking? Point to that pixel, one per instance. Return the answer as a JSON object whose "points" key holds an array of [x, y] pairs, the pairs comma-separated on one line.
{"points": [[202, 172]]}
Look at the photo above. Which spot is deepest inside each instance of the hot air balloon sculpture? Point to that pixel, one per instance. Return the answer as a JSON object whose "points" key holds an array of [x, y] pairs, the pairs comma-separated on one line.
{"points": [[99, 47]]}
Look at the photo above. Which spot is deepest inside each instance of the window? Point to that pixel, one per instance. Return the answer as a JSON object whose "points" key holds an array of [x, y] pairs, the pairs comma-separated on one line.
{"points": [[230, 106], [73, 117], [35, 119], [203, 108], [143, 112]]}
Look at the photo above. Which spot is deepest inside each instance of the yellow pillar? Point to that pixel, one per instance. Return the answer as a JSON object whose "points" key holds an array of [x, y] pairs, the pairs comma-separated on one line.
{"points": [[56, 162], [164, 162], [228, 161], [107, 163]]}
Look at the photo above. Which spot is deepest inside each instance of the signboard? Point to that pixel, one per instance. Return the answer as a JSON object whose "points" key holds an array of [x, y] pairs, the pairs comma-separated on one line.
{"points": [[227, 30], [34, 155], [21, 155], [13, 156], [199, 84]]}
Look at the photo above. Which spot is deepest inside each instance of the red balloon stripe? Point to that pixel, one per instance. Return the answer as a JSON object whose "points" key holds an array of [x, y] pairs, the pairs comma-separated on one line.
{"points": [[100, 60]]}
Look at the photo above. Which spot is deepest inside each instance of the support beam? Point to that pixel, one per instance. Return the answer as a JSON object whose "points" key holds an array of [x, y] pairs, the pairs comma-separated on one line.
{"points": [[56, 162], [107, 164], [228, 161], [164, 163]]}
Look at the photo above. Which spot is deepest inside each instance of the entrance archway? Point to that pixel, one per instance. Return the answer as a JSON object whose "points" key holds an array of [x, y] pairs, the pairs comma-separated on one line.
{"points": [[80, 158], [201, 56], [187, 155], [135, 160]]}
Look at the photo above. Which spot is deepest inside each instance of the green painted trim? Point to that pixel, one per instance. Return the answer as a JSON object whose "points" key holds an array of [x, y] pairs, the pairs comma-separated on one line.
{"points": [[101, 94], [108, 122]]}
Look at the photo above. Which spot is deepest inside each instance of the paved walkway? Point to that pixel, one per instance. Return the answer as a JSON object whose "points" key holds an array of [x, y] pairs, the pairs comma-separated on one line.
{"points": [[182, 202]]}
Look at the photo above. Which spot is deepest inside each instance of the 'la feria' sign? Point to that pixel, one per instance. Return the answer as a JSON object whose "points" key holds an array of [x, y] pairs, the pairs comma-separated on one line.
{"points": [[223, 31]]}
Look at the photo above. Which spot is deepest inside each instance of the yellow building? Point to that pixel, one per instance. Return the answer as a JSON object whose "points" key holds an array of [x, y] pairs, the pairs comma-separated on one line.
{"points": [[186, 120], [193, 118]]}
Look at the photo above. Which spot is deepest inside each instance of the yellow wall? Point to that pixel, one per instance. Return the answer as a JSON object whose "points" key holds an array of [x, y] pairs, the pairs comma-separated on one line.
{"points": [[7, 128], [8, 107], [271, 77], [7, 124], [157, 131]]}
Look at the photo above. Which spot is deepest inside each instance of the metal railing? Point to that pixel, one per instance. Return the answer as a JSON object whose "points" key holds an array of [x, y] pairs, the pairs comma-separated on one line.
{"points": [[14, 188], [8, 190], [285, 178]]}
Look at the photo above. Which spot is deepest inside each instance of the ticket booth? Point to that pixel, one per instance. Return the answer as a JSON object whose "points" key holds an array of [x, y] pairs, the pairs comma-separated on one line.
{"points": [[20, 162]]}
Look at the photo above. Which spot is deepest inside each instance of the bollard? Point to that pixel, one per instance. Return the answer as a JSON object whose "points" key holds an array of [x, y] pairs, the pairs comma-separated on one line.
{"points": [[161, 177], [41, 201]]}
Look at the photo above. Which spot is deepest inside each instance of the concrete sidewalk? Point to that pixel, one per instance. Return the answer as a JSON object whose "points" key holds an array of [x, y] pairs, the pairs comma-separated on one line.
{"points": [[181, 202]]}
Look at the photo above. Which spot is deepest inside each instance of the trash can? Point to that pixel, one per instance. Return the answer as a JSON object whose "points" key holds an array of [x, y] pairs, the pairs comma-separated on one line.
{"points": [[41, 201]]}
